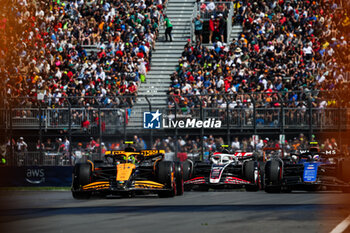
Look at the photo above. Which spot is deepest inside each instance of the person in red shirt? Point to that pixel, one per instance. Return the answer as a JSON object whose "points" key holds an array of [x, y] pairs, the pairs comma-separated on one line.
{"points": [[211, 28], [132, 89], [101, 54]]}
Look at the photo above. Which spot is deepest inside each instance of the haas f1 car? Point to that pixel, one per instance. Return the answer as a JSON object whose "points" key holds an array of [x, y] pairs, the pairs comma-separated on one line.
{"points": [[310, 170], [127, 173], [224, 170]]}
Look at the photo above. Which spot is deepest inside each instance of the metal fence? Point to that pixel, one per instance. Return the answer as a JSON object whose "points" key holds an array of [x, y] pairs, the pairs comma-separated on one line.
{"points": [[114, 124], [45, 158]]}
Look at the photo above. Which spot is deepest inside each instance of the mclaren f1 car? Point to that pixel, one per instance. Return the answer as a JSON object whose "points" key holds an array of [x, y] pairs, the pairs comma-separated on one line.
{"points": [[127, 173], [310, 170], [225, 170]]}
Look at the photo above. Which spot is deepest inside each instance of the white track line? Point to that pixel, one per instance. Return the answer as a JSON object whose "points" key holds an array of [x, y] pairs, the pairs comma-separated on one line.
{"points": [[342, 226]]}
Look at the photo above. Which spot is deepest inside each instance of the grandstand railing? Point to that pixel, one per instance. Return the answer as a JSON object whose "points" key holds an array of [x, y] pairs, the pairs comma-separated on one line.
{"points": [[58, 118], [267, 118], [113, 119], [37, 158], [194, 14], [229, 22]]}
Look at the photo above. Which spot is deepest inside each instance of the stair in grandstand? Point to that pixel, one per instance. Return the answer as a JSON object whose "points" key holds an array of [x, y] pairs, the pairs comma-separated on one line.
{"points": [[235, 33], [164, 61]]}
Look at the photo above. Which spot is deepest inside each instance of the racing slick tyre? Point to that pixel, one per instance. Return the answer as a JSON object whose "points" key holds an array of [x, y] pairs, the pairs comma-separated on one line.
{"points": [[273, 176], [187, 170], [166, 170], [251, 173], [179, 178], [82, 176], [262, 174]]}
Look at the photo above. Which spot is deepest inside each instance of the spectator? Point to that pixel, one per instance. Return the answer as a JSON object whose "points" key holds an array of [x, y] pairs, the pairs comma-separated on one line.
{"points": [[168, 28], [236, 144], [21, 145], [78, 153], [222, 27], [211, 28], [198, 27], [49, 146]]}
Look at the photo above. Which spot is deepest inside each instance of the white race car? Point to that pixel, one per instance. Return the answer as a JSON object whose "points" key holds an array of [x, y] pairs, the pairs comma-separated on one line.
{"points": [[226, 170]]}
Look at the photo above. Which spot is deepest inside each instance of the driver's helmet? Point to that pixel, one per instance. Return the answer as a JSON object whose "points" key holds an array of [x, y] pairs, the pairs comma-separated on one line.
{"points": [[215, 159], [129, 159]]}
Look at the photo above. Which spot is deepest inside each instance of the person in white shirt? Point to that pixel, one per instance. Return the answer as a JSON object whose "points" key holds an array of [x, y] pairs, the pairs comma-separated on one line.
{"points": [[21, 145], [235, 145]]}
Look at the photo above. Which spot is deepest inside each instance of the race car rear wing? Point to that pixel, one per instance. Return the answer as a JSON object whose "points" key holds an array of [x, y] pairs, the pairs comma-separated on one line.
{"points": [[145, 153], [271, 149], [238, 155]]}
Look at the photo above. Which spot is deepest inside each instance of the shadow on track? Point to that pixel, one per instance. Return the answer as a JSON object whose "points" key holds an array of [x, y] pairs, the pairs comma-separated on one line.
{"points": [[44, 212]]}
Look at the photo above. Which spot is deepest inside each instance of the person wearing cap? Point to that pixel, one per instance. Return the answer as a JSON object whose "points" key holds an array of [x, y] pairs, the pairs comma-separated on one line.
{"points": [[168, 28], [77, 153], [198, 27], [21, 145], [222, 26]]}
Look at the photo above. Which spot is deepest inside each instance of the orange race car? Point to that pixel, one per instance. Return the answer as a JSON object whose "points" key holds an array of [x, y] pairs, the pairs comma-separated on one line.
{"points": [[127, 173]]}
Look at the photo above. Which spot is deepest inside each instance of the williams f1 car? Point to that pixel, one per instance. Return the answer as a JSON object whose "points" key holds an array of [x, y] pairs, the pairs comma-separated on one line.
{"points": [[310, 170], [224, 170], [127, 173]]}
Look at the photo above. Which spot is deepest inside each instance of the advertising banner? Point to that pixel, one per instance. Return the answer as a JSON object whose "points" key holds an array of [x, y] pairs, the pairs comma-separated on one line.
{"points": [[57, 176]]}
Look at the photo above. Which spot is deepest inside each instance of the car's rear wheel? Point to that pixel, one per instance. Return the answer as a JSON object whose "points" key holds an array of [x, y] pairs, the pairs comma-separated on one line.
{"points": [[273, 176], [179, 178], [166, 175], [252, 174], [187, 170], [81, 176]]}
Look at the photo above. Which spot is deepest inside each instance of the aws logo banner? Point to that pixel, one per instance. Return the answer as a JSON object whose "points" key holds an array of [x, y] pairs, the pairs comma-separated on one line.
{"points": [[35, 175], [55, 176]]}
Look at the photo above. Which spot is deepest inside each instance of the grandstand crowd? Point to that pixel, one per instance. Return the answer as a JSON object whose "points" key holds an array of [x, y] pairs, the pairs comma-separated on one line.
{"points": [[43, 49], [59, 148], [288, 47], [295, 48], [289, 53]]}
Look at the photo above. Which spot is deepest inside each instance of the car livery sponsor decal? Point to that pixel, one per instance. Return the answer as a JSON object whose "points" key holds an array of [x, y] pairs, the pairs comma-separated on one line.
{"points": [[310, 172], [216, 172], [235, 180]]}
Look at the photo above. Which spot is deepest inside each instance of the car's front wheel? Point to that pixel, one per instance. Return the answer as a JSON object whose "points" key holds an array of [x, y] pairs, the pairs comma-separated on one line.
{"points": [[166, 175], [81, 176], [273, 176], [252, 174]]}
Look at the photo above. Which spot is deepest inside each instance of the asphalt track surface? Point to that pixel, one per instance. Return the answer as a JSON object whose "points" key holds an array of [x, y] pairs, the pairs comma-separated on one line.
{"points": [[214, 211]]}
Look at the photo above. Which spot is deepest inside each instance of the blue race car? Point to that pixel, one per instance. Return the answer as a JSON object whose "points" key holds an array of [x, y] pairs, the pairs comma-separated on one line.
{"points": [[311, 170]]}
